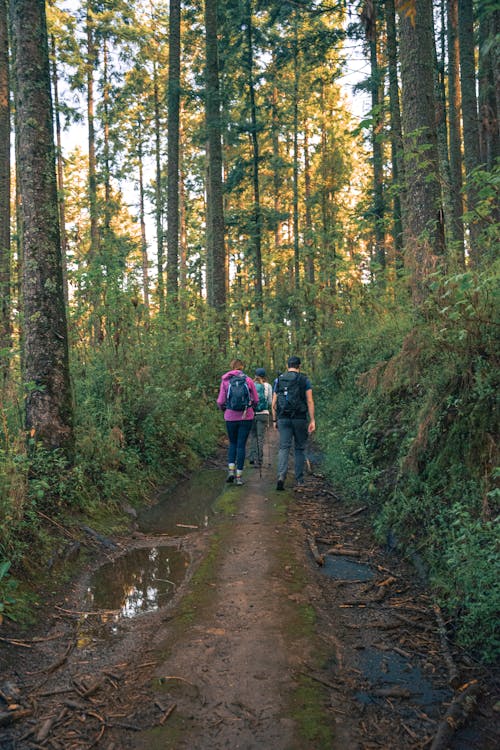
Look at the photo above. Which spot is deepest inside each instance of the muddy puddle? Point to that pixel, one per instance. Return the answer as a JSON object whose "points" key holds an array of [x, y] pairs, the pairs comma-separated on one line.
{"points": [[140, 581], [346, 569], [386, 669], [186, 507]]}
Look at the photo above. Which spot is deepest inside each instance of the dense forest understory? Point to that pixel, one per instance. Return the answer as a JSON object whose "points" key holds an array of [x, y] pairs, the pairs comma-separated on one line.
{"points": [[182, 183]]}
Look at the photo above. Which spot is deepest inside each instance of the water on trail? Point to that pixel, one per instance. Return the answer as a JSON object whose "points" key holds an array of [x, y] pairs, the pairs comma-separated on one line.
{"points": [[140, 581], [186, 507], [145, 579], [386, 669], [346, 569]]}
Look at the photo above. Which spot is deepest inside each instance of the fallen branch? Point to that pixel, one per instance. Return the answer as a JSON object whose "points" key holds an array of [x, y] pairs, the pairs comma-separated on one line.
{"points": [[343, 552], [454, 677], [462, 705], [168, 713], [14, 642], [354, 512], [320, 559]]}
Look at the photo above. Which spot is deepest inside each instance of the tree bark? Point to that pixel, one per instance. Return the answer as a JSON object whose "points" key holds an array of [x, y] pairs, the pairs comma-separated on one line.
{"points": [[215, 211], [489, 85], [5, 327], [49, 415], [60, 172], [173, 120], [424, 235], [158, 190], [472, 156], [455, 133], [396, 131], [257, 218]]}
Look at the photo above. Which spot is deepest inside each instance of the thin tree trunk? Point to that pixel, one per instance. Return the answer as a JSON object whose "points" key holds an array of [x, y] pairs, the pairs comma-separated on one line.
{"points": [[257, 218], [455, 133], [470, 119], [158, 190], [49, 414], [442, 136], [369, 17], [424, 236], [182, 213], [396, 132], [489, 85], [5, 193], [173, 120], [142, 220], [309, 270], [215, 212], [92, 179], [296, 246]]}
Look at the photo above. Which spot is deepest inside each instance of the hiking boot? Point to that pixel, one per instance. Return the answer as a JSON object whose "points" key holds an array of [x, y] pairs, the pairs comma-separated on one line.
{"points": [[230, 477], [239, 481], [280, 484]]}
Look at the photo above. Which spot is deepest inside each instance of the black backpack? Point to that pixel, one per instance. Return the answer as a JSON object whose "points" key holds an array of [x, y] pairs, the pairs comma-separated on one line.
{"points": [[291, 395], [238, 393]]}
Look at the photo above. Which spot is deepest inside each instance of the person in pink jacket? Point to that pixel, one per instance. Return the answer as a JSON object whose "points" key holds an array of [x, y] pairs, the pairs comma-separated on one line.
{"points": [[237, 398]]}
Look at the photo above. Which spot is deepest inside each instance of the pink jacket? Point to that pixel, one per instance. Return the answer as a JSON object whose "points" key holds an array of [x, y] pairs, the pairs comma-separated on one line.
{"points": [[229, 414]]}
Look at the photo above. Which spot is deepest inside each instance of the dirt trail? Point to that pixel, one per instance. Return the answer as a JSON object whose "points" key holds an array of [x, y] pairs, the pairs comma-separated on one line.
{"points": [[260, 648]]}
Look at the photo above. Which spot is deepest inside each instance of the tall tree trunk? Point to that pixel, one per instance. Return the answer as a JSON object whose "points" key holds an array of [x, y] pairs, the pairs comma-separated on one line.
{"points": [[470, 119], [442, 135], [256, 209], [424, 236], [142, 220], [60, 171], [309, 258], [49, 415], [5, 193], [296, 246], [215, 211], [455, 133], [370, 22], [275, 121], [257, 217], [396, 131], [489, 85], [158, 189], [92, 178], [182, 213], [174, 85]]}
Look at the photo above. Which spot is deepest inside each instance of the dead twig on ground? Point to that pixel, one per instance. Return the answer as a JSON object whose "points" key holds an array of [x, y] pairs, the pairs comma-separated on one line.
{"points": [[459, 710], [319, 558]]}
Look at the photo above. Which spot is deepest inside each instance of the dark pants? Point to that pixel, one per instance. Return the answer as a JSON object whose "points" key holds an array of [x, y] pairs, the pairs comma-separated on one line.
{"points": [[292, 430], [238, 433]]}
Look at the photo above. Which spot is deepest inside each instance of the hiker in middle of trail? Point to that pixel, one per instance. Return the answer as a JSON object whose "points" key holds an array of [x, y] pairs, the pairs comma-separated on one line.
{"points": [[237, 398], [261, 421], [292, 405]]}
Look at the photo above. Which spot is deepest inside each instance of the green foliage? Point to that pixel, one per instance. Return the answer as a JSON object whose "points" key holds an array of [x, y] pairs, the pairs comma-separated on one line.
{"points": [[411, 419], [7, 588]]}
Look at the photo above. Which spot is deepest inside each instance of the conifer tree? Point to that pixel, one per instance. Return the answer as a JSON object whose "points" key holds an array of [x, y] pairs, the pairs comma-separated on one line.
{"points": [[5, 332], [49, 413]]}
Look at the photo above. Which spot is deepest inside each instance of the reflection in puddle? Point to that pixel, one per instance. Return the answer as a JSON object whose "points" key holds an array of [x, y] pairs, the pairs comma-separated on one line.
{"points": [[185, 507], [346, 569], [140, 581]]}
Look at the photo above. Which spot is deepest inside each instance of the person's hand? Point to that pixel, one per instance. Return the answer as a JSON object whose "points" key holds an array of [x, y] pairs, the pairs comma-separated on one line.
{"points": [[312, 426]]}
